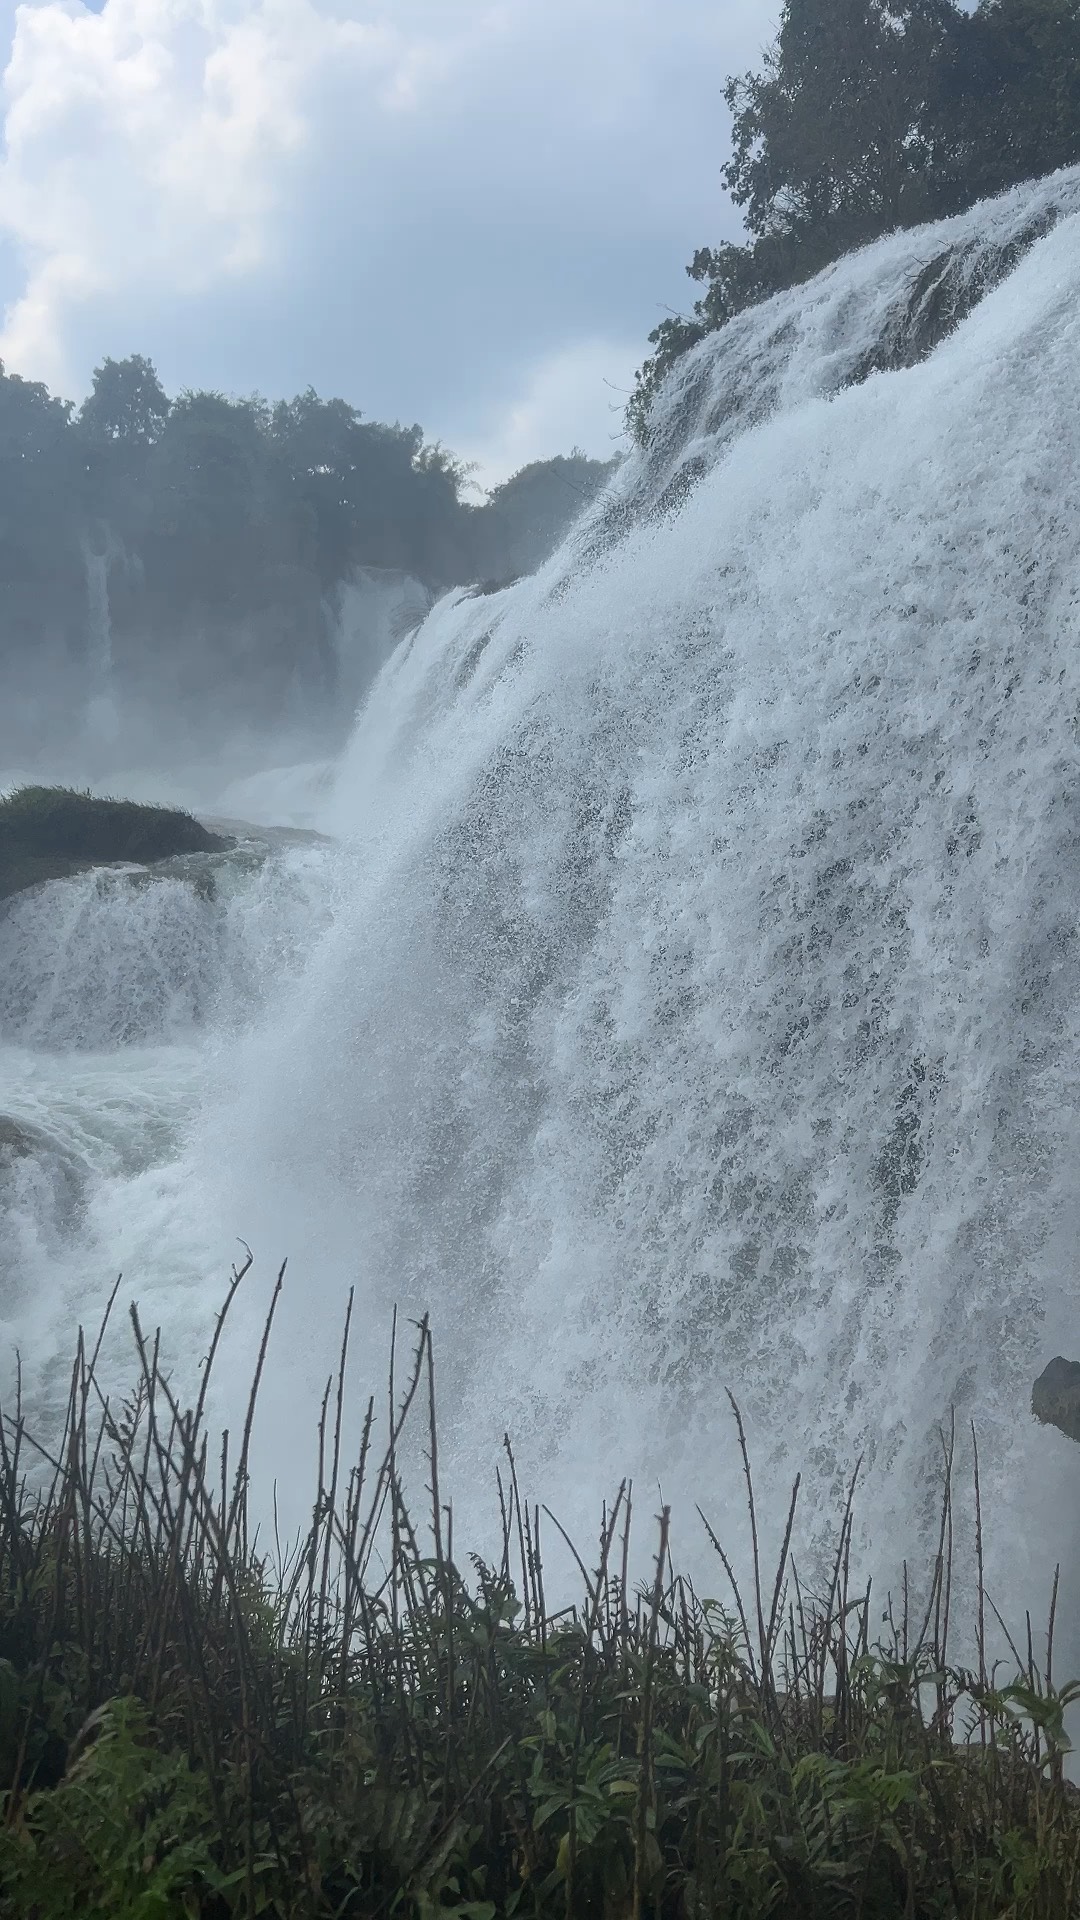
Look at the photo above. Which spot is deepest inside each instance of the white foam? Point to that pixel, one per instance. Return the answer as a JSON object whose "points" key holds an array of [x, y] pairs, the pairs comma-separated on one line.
{"points": [[698, 1001]]}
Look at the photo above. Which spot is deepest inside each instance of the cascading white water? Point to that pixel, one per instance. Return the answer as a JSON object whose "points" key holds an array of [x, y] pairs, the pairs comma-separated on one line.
{"points": [[119, 989], [374, 609], [699, 1001], [122, 956], [102, 721]]}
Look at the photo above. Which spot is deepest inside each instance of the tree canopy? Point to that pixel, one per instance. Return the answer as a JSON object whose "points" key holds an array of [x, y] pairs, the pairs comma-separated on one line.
{"points": [[529, 511], [215, 533], [127, 402], [869, 115]]}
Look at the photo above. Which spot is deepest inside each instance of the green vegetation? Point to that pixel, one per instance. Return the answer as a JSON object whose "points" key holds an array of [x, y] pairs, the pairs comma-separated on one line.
{"points": [[189, 1727], [868, 115], [47, 833], [213, 534], [528, 513]]}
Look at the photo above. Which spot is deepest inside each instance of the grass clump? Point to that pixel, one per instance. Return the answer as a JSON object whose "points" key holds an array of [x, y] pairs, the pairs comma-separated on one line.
{"points": [[47, 833], [359, 1729]]}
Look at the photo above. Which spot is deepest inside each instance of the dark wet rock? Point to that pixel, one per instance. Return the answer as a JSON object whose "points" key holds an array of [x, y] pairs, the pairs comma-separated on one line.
{"points": [[1055, 1397], [33, 1165], [49, 833], [17, 1140]]}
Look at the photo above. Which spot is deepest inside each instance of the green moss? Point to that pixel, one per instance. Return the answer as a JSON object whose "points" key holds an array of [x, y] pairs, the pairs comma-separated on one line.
{"points": [[47, 833]]}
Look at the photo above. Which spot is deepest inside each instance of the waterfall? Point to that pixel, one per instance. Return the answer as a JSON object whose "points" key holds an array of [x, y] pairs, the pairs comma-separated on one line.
{"points": [[371, 612], [98, 621], [698, 1002], [702, 1008], [102, 721]]}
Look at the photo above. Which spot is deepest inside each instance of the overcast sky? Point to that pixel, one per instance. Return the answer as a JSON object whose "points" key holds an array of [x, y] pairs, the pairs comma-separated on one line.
{"points": [[463, 212]]}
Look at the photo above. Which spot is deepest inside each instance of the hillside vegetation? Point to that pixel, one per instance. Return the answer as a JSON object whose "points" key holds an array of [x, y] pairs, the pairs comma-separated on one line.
{"points": [[869, 115], [192, 551]]}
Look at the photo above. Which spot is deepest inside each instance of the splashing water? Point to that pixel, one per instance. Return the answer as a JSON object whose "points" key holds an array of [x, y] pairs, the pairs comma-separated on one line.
{"points": [[692, 998]]}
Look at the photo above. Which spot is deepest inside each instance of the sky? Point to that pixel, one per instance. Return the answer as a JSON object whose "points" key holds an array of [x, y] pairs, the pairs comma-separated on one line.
{"points": [[467, 213]]}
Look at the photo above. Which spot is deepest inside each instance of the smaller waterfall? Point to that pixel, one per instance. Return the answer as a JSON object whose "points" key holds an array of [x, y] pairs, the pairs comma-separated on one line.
{"points": [[102, 723], [374, 609]]}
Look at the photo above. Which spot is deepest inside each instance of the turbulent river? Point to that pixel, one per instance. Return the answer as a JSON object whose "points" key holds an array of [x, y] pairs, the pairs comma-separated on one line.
{"points": [[686, 992]]}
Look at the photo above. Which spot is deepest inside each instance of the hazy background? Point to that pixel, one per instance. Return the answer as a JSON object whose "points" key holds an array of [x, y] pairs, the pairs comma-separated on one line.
{"points": [[457, 216]]}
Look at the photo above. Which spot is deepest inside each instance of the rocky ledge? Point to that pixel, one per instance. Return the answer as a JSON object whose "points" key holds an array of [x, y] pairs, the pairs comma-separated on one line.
{"points": [[1055, 1397], [47, 833]]}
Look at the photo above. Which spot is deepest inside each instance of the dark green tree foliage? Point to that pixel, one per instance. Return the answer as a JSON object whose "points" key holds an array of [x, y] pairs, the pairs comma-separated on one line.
{"points": [[38, 508], [226, 528], [369, 494], [33, 454], [527, 514], [127, 402], [869, 115], [117, 425], [1012, 92], [834, 141], [210, 497]]}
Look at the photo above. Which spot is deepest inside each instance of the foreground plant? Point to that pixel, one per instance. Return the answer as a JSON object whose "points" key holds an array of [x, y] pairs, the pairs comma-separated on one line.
{"points": [[186, 1730]]}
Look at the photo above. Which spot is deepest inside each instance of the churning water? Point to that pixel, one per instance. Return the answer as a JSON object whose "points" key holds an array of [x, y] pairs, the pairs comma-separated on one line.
{"points": [[690, 995]]}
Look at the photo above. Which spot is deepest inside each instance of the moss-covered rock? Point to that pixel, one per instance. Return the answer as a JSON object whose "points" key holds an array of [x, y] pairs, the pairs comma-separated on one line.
{"points": [[47, 833]]}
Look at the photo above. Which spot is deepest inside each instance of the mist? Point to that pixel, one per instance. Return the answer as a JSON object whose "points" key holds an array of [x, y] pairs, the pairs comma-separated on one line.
{"points": [[197, 587]]}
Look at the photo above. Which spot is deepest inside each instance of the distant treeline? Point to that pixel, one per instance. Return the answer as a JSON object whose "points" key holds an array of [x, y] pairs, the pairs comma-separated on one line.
{"points": [[220, 530], [869, 115]]}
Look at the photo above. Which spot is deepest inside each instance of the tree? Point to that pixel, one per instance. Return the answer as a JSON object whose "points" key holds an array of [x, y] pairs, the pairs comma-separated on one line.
{"points": [[835, 140], [120, 421], [868, 115], [1013, 92], [36, 493], [317, 445], [525, 517], [373, 495], [127, 403], [221, 529], [32, 422], [210, 488]]}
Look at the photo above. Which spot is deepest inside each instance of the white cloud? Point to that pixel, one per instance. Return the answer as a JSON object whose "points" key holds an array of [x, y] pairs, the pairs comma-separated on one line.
{"points": [[151, 141], [444, 208], [574, 396]]}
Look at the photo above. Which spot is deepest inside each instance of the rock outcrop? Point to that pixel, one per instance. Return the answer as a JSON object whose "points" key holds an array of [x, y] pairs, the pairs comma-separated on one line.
{"points": [[1055, 1397], [48, 833], [31, 1160], [17, 1140]]}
